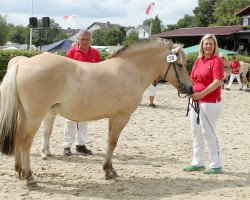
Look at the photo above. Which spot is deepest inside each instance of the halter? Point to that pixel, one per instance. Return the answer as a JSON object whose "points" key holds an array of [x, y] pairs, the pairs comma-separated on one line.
{"points": [[176, 74]]}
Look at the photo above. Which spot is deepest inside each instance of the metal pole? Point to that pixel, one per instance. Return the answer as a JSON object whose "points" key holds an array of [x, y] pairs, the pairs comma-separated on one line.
{"points": [[31, 27]]}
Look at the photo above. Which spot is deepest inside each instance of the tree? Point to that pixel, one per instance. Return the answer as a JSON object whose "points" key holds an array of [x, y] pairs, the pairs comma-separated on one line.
{"points": [[224, 11], [156, 26], [204, 13], [98, 38], [131, 37], [110, 37], [113, 37], [186, 21], [147, 22], [19, 34], [4, 30], [42, 36]]}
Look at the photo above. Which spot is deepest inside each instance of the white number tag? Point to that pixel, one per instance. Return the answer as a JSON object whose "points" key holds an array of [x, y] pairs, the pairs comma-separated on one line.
{"points": [[171, 58]]}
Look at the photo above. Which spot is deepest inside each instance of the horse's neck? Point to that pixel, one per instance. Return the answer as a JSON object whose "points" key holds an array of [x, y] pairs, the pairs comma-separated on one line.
{"points": [[227, 63], [148, 65]]}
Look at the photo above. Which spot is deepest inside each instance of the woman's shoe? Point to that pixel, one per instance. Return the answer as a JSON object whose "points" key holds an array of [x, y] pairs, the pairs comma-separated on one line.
{"points": [[192, 168], [213, 171]]}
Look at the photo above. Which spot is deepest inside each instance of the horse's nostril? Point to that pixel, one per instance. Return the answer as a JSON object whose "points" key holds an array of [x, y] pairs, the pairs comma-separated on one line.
{"points": [[191, 90]]}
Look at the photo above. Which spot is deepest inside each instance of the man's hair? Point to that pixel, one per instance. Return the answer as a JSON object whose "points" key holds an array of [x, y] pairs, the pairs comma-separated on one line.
{"points": [[233, 57], [84, 32]]}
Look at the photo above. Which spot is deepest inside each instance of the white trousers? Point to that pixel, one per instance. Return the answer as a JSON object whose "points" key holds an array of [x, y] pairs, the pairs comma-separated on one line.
{"points": [[74, 132], [204, 134], [152, 89], [232, 77]]}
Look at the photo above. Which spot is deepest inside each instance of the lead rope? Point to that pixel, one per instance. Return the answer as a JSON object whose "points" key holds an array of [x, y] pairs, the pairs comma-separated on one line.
{"points": [[196, 106]]}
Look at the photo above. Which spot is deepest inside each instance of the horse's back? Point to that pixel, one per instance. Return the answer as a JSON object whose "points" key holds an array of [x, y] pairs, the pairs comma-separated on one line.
{"points": [[70, 86]]}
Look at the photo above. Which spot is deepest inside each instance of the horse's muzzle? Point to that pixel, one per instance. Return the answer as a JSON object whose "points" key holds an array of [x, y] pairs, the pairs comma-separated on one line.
{"points": [[186, 88]]}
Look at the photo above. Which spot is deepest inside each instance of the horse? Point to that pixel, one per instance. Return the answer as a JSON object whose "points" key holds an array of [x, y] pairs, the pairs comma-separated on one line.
{"points": [[81, 91], [244, 68]]}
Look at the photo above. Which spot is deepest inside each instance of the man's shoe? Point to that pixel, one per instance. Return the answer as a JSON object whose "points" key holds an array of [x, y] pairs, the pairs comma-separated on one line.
{"points": [[213, 171], [83, 150], [227, 88], [66, 151], [152, 105], [192, 168]]}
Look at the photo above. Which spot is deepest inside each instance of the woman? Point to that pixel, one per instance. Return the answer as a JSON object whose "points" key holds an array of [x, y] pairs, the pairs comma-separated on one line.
{"points": [[207, 74]]}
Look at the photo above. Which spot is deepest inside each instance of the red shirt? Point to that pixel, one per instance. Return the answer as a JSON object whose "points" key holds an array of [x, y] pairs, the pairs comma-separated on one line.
{"points": [[235, 65], [91, 56], [203, 74]]}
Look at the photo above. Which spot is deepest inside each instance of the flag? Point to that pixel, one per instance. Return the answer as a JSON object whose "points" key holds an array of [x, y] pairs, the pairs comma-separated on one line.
{"points": [[149, 8], [68, 17]]}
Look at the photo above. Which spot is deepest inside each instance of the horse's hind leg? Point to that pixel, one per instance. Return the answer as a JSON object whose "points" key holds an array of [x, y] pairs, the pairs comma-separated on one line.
{"points": [[47, 130], [116, 125], [27, 130], [18, 161]]}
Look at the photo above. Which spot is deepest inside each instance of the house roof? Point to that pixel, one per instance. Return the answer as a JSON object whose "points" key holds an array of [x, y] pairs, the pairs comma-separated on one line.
{"points": [[106, 25], [200, 31], [243, 11]]}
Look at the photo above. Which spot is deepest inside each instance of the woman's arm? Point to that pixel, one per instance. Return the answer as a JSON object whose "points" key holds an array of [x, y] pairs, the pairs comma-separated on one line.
{"points": [[215, 84]]}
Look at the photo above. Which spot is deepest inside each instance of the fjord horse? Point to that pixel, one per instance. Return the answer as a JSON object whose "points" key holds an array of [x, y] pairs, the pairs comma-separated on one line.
{"points": [[82, 91], [244, 68]]}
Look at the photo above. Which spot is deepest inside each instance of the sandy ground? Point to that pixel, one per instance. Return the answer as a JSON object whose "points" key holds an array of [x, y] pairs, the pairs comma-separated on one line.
{"points": [[151, 153]]}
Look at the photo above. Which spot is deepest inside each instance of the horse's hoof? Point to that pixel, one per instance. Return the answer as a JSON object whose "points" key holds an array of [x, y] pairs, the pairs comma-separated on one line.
{"points": [[32, 184], [111, 175], [114, 173]]}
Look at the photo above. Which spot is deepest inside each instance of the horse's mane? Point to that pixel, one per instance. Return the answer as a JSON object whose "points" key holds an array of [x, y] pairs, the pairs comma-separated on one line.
{"points": [[142, 44]]}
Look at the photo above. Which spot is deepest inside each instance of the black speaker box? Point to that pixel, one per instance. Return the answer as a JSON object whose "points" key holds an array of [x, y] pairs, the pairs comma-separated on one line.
{"points": [[33, 22], [46, 22]]}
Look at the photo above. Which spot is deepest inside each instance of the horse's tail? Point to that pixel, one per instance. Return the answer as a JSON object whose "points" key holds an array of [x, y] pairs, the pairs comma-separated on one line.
{"points": [[8, 111]]}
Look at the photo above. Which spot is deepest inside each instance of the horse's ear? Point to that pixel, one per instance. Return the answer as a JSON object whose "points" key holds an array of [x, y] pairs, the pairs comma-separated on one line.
{"points": [[177, 49]]}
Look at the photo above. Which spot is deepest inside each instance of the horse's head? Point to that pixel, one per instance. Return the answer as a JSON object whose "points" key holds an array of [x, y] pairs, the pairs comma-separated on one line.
{"points": [[225, 60], [175, 70]]}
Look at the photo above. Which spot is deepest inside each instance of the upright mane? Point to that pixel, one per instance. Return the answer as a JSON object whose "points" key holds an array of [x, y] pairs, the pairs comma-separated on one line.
{"points": [[143, 44]]}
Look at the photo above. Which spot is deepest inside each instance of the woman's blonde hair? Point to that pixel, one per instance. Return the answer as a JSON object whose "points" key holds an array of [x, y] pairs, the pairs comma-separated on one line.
{"points": [[208, 36]]}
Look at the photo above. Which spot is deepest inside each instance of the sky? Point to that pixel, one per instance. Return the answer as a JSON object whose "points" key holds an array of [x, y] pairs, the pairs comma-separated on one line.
{"points": [[86, 12]]}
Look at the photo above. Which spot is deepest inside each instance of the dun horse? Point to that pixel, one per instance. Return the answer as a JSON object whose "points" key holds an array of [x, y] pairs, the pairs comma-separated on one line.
{"points": [[81, 92], [244, 68]]}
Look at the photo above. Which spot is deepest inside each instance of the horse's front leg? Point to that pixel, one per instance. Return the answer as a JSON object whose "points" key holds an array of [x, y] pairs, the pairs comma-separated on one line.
{"points": [[47, 130], [116, 125]]}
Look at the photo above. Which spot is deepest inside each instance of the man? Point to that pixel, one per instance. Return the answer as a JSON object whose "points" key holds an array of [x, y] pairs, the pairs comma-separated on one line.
{"points": [[76, 131], [235, 65]]}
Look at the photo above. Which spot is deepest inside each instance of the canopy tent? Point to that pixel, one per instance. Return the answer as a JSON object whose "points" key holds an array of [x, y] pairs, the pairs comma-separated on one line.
{"points": [[62, 45], [195, 49]]}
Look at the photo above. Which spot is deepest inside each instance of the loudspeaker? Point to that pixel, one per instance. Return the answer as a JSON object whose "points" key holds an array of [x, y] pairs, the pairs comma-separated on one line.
{"points": [[46, 22], [33, 22]]}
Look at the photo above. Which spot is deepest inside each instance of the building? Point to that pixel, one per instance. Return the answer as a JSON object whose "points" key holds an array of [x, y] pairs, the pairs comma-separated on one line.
{"points": [[192, 36], [103, 26], [244, 34], [235, 37], [142, 31]]}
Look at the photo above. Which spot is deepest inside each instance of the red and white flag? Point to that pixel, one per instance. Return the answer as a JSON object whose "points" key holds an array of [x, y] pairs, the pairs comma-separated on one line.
{"points": [[149, 8], [68, 17]]}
